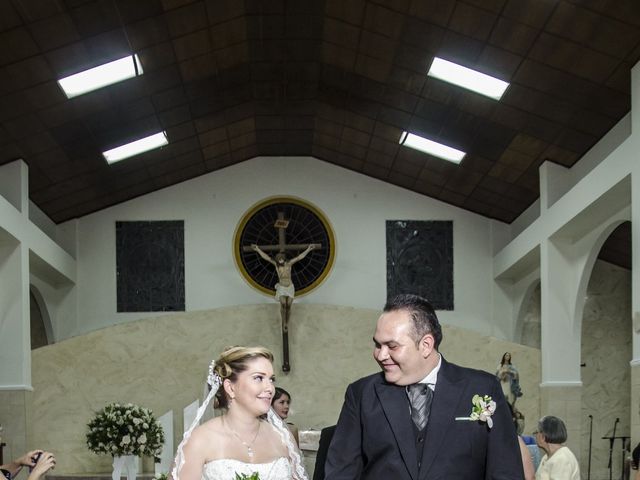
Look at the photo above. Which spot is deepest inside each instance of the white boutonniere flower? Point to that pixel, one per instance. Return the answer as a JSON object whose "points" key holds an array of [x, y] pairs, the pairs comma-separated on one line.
{"points": [[482, 410]]}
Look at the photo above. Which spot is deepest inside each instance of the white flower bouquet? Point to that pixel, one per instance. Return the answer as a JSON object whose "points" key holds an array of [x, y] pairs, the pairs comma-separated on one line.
{"points": [[125, 429]]}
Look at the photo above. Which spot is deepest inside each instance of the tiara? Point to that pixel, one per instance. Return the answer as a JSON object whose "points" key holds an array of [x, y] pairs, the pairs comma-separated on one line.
{"points": [[213, 379]]}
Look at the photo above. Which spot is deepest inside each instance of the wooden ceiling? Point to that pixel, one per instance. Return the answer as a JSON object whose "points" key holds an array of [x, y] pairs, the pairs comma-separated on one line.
{"points": [[340, 80]]}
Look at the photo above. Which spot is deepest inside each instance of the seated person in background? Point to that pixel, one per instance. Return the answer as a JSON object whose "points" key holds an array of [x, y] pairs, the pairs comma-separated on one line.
{"points": [[558, 461], [38, 461], [635, 462], [280, 403]]}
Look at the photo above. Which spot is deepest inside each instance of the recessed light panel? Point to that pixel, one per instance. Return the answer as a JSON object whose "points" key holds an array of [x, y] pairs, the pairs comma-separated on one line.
{"points": [[467, 78], [135, 148], [432, 148], [101, 76]]}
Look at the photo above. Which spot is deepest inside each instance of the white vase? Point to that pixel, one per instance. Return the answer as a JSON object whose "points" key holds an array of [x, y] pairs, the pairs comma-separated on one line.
{"points": [[125, 464]]}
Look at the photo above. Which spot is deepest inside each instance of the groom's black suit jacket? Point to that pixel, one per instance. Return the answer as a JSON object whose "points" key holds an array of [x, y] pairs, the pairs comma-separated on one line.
{"points": [[375, 438]]}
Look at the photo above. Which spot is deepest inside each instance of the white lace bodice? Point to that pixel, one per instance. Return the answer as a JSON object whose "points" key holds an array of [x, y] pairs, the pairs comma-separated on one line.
{"points": [[226, 469]]}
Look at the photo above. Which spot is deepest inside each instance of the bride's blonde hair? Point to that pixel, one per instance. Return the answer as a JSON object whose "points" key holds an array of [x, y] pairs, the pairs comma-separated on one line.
{"points": [[233, 361]]}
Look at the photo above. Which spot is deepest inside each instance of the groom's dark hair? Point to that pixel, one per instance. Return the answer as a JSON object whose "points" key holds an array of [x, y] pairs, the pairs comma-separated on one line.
{"points": [[422, 313]]}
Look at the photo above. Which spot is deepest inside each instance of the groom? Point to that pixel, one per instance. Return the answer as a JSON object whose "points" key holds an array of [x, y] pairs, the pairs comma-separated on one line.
{"points": [[411, 422]]}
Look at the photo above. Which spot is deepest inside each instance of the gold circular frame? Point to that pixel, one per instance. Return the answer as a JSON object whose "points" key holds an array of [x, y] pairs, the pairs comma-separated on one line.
{"points": [[237, 248]]}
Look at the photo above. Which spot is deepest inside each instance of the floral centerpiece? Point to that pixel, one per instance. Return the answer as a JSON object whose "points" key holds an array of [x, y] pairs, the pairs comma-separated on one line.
{"points": [[125, 429]]}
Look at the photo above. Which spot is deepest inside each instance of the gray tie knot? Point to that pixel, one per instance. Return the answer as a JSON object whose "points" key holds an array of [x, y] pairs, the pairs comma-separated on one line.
{"points": [[418, 389]]}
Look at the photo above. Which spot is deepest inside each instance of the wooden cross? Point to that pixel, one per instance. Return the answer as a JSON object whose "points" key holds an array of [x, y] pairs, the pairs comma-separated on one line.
{"points": [[285, 287]]}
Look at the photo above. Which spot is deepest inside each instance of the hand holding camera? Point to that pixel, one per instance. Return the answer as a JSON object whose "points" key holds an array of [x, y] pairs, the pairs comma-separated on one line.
{"points": [[39, 463], [42, 462], [34, 460]]}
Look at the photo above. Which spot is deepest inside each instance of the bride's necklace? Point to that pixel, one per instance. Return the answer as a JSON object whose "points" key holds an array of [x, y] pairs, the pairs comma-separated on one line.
{"points": [[248, 446]]}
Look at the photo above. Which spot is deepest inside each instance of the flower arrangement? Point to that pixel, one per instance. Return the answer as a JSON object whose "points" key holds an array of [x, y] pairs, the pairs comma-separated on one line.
{"points": [[483, 407], [125, 429]]}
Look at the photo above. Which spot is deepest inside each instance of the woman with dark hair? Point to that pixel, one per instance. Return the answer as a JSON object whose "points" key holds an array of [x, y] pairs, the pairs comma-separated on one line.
{"points": [[240, 442], [509, 379], [281, 403], [558, 462]]}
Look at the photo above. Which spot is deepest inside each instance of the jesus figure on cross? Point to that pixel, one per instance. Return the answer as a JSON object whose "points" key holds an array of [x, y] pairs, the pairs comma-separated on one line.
{"points": [[285, 290]]}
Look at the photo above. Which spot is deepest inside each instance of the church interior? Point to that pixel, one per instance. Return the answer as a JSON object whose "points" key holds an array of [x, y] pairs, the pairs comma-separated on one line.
{"points": [[284, 124]]}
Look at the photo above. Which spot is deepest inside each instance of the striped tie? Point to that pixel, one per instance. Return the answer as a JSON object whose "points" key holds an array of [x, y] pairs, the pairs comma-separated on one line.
{"points": [[420, 396]]}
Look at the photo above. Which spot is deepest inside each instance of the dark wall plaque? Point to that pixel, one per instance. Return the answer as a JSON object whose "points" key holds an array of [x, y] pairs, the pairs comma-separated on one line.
{"points": [[150, 266], [420, 260]]}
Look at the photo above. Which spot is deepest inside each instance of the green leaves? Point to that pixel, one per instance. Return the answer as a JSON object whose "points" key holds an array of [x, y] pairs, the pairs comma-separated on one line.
{"points": [[244, 476]]}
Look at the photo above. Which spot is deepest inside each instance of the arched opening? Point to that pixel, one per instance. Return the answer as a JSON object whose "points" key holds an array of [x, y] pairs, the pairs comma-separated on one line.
{"points": [[41, 330], [606, 348], [529, 317]]}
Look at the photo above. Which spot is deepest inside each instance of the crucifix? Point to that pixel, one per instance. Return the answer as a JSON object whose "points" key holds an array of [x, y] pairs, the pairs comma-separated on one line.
{"points": [[285, 290]]}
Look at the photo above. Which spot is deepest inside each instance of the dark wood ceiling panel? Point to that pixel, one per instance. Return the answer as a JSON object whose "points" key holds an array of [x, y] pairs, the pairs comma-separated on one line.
{"points": [[472, 21], [606, 35], [9, 17], [534, 13], [190, 18], [54, 32], [229, 80], [34, 10], [433, 11], [94, 18], [15, 45], [574, 57], [513, 36]]}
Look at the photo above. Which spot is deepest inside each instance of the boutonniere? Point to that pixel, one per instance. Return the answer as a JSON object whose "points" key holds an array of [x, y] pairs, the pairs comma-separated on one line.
{"points": [[483, 408]]}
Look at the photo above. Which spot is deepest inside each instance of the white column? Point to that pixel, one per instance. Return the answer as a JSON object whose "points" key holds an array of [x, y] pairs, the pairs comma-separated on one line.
{"points": [[559, 343], [635, 307], [635, 213], [635, 257], [15, 340]]}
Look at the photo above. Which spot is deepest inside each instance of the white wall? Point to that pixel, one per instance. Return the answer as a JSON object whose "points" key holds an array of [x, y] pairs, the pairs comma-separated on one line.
{"points": [[356, 205]]}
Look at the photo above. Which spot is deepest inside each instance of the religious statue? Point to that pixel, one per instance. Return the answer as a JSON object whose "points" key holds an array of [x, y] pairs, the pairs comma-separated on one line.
{"points": [[285, 290], [509, 378]]}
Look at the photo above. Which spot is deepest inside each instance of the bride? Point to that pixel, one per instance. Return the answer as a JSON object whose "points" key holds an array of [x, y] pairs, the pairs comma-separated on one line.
{"points": [[241, 441]]}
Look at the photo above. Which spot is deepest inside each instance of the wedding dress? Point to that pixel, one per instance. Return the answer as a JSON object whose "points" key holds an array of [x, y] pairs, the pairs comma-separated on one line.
{"points": [[226, 469]]}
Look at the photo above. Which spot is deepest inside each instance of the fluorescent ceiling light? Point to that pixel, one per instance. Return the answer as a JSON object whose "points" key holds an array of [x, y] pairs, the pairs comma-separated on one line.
{"points": [[432, 148], [101, 76], [466, 78], [134, 148]]}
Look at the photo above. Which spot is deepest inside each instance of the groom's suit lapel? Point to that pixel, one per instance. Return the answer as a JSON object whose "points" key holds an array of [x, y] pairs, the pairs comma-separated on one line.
{"points": [[448, 394], [396, 409]]}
